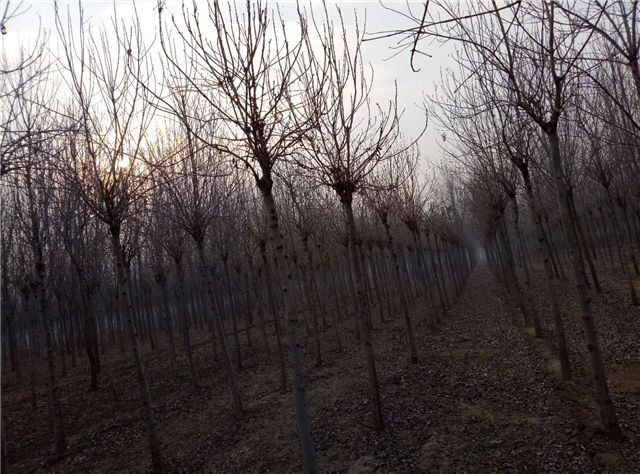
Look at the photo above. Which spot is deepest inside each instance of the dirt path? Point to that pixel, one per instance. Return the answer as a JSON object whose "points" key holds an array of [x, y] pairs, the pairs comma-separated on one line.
{"points": [[488, 403]]}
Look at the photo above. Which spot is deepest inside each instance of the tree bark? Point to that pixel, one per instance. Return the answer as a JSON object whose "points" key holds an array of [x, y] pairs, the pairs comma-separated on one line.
{"points": [[284, 266]]}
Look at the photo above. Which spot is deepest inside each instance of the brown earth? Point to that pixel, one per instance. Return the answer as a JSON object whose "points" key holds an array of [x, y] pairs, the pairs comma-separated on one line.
{"points": [[483, 398]]}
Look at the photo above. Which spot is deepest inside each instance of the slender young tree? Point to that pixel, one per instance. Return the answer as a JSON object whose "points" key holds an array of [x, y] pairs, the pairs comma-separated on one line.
{"points": [[250, 76], [350, 139], [104, 164], [382, 196]]}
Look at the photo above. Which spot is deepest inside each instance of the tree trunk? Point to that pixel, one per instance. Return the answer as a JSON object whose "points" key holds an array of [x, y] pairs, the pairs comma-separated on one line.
{"points": [[90, 343], [316, 273], [259, 306], [437, 274], [11, 336], [40, 293], [616, 237], [625, 215], [127, 310], [233, 311], [4, 461], [533, 311], [582, 241], [404, 299], [608, 416], [443, 283], [7, 312], [422, 265], [222, 340], [552, 288], [283, 263], [248, 308], [363, 312], [376, 286], [55, 410], [334, 321], [276, 322], [555, 252], [512, 277], [351, 290], [184, 317], [166, 310], [587, 220], [313, 312]]}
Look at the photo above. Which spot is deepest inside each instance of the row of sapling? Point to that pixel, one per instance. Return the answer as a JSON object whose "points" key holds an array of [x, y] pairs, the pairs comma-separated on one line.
{"points": [[147, 254], [249, 77], [350, 138], [543, 102], [159, 166]]}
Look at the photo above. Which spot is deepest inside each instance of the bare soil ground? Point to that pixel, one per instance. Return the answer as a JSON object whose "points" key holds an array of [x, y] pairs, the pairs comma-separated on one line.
{"points": [[483, 398]]}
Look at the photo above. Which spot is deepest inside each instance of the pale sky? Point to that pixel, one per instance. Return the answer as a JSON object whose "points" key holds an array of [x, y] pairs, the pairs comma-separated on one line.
{"points": [[412, 86]]}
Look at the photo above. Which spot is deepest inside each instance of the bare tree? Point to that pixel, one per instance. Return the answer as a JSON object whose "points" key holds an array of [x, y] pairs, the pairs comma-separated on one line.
{"points": [[104, 165], [617, 23], [351, 138], [197, 182], [82, 241], [249, 74], [382, 197], [33, 185], [508, 44]]}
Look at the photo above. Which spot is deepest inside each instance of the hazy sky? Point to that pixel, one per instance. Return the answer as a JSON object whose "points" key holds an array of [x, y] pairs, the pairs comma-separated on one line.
{"points": [[412, 86]]}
